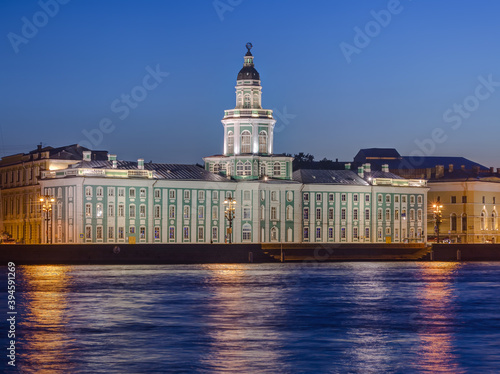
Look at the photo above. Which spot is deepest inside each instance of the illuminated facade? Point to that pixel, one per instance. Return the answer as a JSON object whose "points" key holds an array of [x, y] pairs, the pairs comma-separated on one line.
{"points": [[114, 201]]}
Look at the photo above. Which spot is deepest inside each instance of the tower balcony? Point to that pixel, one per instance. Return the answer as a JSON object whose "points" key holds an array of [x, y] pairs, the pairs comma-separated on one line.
{"points": [[248, 113]]}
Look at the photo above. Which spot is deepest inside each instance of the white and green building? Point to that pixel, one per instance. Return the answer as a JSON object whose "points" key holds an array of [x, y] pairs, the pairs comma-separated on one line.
{"points": [[114, 201]]}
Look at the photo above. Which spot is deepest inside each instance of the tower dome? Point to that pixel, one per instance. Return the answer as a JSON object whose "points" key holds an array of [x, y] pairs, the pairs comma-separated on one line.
{"points": [[248, 70]]}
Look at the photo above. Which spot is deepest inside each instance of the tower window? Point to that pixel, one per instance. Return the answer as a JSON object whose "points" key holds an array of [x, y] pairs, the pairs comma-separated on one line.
{"points": [[246, 104], [277, 169], [248, 168], [230, 142], [262, 142], [246, 139]]}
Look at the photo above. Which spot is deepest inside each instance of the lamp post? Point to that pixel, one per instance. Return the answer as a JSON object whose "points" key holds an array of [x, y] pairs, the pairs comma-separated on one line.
{"points": [[437, 219], [47, 202], [230, 204]]}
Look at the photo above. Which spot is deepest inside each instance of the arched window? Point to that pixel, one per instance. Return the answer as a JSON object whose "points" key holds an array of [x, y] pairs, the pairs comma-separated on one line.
{"points": [[248, 168], [247, 232], [464, 222], [262, 169], [262, 142], [216, 168], [246, 140], [494, 221], [289, 213], [274, 234], [246, 104], [277, 169], [453, 222], [239, 168], [483, 220], [230, 142], [255, 101]]}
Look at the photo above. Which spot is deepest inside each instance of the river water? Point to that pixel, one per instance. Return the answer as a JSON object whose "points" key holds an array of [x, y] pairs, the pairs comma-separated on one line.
{"points": [[411, 317]]}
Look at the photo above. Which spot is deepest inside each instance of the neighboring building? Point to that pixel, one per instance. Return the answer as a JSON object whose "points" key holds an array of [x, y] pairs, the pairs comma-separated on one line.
{"points": [[112, 201], [20, 214], [469, 200]]}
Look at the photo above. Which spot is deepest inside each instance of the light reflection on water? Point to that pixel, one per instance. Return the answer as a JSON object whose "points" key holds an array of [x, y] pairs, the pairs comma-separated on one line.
{"points": [[287, 318]]}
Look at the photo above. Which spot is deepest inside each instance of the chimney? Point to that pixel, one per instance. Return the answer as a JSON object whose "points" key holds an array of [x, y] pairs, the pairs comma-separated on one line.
{"points": [[385, 168], [115, 164], [492, 170], [87, 155], [439, 171], [462, 167], [428, 173], [39, 147], [450, 168], [140, 164], [347, 166], [368, 168], [361, 172]]}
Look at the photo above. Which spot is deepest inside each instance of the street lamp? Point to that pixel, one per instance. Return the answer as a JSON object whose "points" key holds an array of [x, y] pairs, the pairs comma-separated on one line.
{"points": [[230, 204], [47, 202], [437, 218]]}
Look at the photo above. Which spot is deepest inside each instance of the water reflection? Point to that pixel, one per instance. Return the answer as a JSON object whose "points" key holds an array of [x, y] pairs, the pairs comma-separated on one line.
{"points": [[243, 313], [437, 317], [44, 343]]}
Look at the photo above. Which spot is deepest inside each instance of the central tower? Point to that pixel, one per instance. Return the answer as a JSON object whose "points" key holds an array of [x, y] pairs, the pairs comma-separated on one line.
{"points": [[248, 133]]}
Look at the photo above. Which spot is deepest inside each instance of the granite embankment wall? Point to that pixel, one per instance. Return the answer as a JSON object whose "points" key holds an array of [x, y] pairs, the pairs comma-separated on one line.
{"points": [[465, 252]]}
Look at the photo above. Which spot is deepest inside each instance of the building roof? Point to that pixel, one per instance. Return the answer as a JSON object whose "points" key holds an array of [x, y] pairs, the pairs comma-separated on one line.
{"points": [[381, 174], [425, 162], [310, 176], [161, 171], [368, 154], [248, 72]]}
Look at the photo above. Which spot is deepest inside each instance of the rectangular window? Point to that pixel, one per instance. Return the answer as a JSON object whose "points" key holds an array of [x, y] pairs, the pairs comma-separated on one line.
{"points": [[396, 214], [157, 232], [331, 197], [367, 233], [186, 232], [355, 214], [318, 197], [419, 199], [171, 212], [201, 195], [387, 198], [201, 212], [111, 210], [214, 233], [343, 214], [464, 199], [186, 212], [143, 211], [355, 232], [131, 229], [306, 233], [131, 193], [367, 198], [121, 233], [306, 196], [246, 213], [88, 232], [419, 215], [157, 211], [111, 191], [342, 232], [215, 195], [246, 195], [215, 212], [88, 210], [201, 233], [157, 194], [330, 233], [453, 200], [111, 232], [142, 232], [387, 215], [330, 214], [131, 211], [171, 232], [396, 199], [121, 192], [412, 199], [98, 232], [142, 192], [306, 214], [187, 194], [367, 214], [318, 232], [88, 191], [274, 196], [403, 199], [355, 197], [171, 194], [273, 213], [318, 213], [379, 198], [343, 197], [387, 231], [99, 191]]}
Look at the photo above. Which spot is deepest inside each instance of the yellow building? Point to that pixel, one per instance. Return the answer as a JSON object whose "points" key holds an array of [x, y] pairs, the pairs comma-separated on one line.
{"points": [[21, 215], [469, 201]]}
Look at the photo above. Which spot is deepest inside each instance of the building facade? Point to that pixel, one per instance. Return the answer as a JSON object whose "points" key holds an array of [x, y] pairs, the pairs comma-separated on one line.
{"points": [[114, 201]]}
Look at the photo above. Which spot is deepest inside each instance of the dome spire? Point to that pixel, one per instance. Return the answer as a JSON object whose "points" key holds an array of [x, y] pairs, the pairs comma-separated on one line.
{"points": [[248, 71]]}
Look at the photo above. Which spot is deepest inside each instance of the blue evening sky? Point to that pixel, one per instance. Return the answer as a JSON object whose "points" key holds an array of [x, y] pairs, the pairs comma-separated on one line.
{"points": [[427, 81]]}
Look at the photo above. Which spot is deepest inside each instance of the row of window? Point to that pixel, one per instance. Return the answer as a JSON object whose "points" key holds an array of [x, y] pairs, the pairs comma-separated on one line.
{"points": [[143, 193], [355, 197], [356, 233], [355, 215], [246, 142]]}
